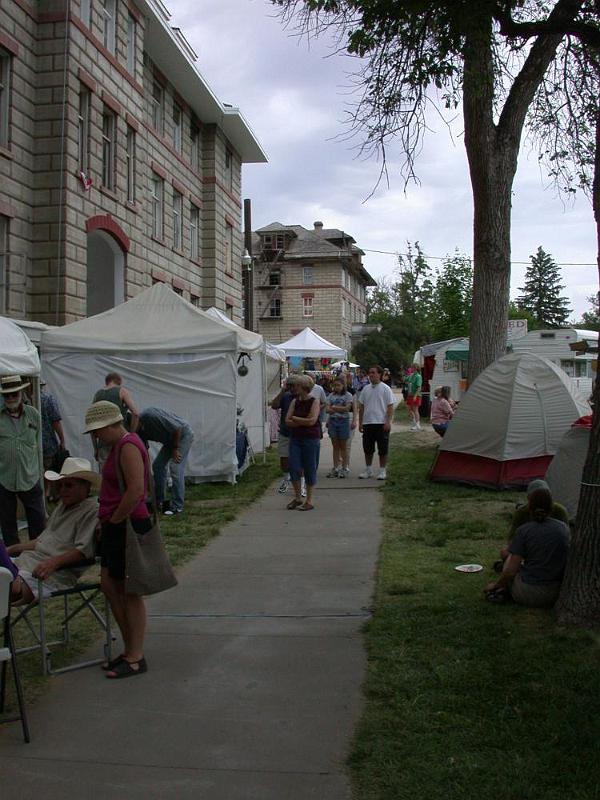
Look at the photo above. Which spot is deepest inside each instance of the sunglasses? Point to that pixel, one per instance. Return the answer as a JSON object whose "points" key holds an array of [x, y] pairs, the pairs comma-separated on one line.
{"points": [[66, 484]]}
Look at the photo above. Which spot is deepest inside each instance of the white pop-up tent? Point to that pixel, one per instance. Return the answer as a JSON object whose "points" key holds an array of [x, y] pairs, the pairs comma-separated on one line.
{"points": [[308, 344], [170, 354], [509, 424], [18, 355], [262, 382]]}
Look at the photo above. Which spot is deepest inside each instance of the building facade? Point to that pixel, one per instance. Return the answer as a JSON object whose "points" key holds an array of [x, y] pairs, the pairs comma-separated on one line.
{"points": [[311, 278], [118, 165]]}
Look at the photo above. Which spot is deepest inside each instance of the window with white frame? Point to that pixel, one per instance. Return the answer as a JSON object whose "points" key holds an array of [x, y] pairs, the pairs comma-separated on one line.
{"points": [[307, 274], [158, 101], [5, 80], [130, 164], [194, 232], [109, 127], [157, 189], [177, 127], [131, 44], [4, 224], [275, 307], [195, 146], [228, 248], [109, 9], [83, 130], [84, 12], [177, 221], [273, 241], [307, 306]]}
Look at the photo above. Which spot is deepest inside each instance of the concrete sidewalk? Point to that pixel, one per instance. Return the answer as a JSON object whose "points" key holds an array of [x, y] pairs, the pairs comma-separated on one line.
{"points": [[255, 668]]}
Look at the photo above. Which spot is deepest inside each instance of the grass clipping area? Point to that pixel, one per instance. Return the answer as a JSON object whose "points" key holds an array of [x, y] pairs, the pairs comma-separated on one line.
{"points": [[208, 507], [464, 698]]}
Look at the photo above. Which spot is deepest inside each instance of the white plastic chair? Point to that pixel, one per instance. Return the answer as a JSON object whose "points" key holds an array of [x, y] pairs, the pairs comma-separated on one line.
{"points": [[7, 653]]}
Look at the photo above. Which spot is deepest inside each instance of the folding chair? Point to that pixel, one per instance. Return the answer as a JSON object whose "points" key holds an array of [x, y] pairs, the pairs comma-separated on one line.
{"points": [[85, 593], [7, 653]]}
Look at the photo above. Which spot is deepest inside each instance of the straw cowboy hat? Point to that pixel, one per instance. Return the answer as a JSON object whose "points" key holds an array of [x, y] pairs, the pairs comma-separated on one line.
{"points": [[75, 468], [100, 415], [11, 383]]}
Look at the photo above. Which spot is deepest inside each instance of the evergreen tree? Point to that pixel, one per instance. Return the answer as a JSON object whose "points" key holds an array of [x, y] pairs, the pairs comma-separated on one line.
{"points": [[541, 294]]}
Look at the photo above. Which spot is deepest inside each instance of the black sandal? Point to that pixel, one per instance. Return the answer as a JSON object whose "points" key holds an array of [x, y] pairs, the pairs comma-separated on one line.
{"points": [[126, 669], [108, 665]]}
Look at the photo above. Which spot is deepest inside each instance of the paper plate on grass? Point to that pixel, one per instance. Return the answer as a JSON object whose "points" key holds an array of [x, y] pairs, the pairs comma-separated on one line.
{"points": [[469, 568]]}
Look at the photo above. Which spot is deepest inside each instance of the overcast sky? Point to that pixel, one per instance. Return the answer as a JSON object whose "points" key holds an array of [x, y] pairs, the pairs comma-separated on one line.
{"points": [[295, 95]]}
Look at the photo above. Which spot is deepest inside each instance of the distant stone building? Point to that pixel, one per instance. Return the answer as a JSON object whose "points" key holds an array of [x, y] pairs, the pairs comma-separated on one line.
{"points": [[118, 165], [309, 278]]}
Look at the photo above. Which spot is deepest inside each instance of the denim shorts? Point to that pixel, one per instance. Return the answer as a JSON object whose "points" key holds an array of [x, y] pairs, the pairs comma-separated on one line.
{"points": [[339, 427]]}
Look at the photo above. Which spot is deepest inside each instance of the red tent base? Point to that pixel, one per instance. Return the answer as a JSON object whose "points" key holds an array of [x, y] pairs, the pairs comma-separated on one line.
{"points": [[479, 471]]}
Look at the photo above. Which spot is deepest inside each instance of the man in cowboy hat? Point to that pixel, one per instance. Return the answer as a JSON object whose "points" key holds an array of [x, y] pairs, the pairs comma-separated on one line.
{"points": [[57, 554], [20, 466]]}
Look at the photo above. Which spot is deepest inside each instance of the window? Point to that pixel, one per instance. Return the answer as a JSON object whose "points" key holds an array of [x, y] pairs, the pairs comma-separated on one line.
{"points": [[84, 12], [131, 44], [568, 367], [274, 241], [195, 148], [581, 366], [195, 300], [275, 307], [194, 232], [228, 168], [5, 70], [3, 263], [228, 248], [108, 148], [83, 133], [307, 306], [307, 275], [275, 278], [130, 163], [157, 189], [177, 123], [547, 335], [158, 99], [178, 290], [108, 16], [343, 308], [229, 310], [177, 226]]}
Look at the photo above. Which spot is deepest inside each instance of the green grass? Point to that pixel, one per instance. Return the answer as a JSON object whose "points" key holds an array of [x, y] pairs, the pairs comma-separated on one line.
{"points": [[464, 698], [209, 507]]}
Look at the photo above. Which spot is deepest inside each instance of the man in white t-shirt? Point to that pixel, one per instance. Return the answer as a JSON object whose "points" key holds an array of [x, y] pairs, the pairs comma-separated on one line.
{"points": [[375, 414]]}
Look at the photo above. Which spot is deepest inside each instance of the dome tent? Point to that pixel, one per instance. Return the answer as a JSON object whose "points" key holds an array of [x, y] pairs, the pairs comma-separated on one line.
{"points": [[565, 471], [509, 424]]}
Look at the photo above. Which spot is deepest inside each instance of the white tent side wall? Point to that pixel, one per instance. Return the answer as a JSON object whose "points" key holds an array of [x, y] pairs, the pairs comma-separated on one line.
{"points": [[198, 387]]}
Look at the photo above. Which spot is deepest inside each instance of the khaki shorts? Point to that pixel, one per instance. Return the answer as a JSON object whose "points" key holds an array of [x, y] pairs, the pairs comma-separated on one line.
{"points": [[534, 595], [283, 446]]}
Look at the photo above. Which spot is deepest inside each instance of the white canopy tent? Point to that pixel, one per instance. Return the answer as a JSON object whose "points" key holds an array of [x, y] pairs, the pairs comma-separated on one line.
{"points": [[171, 355], [18, 355], [308, 344]]}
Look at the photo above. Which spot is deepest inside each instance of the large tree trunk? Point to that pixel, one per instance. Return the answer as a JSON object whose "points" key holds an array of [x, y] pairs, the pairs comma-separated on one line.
{"points": [[579, 601]]}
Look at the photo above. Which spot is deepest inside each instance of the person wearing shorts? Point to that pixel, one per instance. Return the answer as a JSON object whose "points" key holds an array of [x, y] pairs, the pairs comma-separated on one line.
{"points": [[414, 383], [375, 414], [339, 405]]}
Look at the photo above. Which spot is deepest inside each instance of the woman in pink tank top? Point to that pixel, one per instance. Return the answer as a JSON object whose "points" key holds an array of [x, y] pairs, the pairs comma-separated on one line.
{"points": [[126, 466]]}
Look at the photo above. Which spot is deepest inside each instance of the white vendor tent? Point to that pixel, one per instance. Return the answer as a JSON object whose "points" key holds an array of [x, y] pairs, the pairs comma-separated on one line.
{"points": [[170, 354], [18, 355], [308, 344], [509, 424], [565, 471]]}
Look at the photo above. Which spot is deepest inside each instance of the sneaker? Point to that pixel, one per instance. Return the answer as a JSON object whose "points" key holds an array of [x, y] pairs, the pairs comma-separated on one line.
{"points": [[368, 473], [333, 473], [413, 428], [173, 512], [382, 475], [283, 486], [302, 488], [343, 473]]}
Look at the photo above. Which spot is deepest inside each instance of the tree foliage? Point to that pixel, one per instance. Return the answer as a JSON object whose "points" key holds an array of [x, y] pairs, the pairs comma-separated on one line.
{"points": [[542, 292], [590, 320]]}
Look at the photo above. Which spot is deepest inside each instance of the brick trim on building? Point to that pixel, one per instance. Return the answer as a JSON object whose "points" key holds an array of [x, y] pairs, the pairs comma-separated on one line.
{"points": [[104, 222], [87, 80], [10, 44], [113, 104]]}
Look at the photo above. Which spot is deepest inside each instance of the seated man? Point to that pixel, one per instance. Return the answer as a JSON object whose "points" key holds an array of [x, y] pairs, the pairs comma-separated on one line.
{"points": [[537, 557], [67, 539]]}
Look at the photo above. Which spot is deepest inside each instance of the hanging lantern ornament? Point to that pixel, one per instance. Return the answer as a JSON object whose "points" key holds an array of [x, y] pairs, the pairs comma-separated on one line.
{"points": [[242, 368]]}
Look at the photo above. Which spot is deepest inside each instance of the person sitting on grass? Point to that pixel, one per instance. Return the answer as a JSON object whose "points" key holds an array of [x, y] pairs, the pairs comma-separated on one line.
{"points": [[522, 514], [537, 557], [57, 554]]}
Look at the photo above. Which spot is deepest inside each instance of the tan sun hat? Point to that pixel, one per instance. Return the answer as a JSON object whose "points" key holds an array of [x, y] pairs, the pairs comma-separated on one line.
{"points": [[101, 414], [75, 468], [11, 383]]}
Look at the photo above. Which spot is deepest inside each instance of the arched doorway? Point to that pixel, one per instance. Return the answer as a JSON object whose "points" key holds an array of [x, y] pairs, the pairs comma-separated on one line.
{"points": [[107, 245]]}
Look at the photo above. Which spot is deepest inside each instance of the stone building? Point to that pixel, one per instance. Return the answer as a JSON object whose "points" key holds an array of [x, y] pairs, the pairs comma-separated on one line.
{"points": [[118, 165], [309, 278]]}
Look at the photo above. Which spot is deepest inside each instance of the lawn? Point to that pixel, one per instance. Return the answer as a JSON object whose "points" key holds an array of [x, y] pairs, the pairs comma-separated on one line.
{"points": [[209, 507], [464, 698]]}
